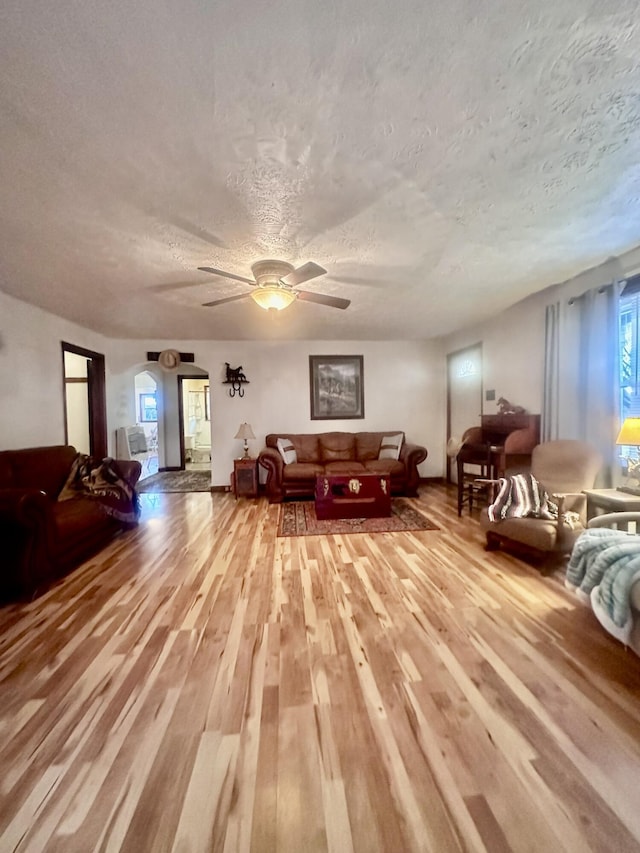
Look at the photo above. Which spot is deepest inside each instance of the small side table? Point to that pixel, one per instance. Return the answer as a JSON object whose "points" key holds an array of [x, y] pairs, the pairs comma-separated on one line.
{"points": [[610, 500], [245, 478]]}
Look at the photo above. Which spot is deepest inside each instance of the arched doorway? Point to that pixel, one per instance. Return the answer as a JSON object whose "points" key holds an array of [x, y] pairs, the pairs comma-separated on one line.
{"points": [[183, 414], [146, 403]]}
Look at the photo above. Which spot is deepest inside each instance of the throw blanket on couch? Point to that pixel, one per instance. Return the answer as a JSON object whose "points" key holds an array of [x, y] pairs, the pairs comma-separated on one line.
{"points": [[102, 481], [603, 567]]}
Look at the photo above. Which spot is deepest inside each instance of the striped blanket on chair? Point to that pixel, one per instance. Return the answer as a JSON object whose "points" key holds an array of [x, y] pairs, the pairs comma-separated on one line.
{"points": [[522, 496]]}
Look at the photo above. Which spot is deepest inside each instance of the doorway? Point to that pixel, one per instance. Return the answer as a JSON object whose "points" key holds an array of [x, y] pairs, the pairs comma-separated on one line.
{"points": [[195, 422], [85, 400], [464, 395], [147, 404]]}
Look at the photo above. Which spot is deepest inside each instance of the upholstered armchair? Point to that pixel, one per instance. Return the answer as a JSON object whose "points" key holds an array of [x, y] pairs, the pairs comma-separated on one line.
{"points": [[563, 469]]}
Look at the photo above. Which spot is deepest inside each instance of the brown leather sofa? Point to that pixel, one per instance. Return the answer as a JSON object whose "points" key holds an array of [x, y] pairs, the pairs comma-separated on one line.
{"points": [[43, 537], [336, 453]]}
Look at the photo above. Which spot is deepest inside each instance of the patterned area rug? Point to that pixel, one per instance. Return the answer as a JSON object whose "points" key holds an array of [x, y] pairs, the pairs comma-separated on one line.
{"points": [[176, 481], [299, 519]]}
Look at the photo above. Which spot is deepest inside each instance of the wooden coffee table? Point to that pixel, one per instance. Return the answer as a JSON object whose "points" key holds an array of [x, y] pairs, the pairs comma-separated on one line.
{"points": [[353, 496]]}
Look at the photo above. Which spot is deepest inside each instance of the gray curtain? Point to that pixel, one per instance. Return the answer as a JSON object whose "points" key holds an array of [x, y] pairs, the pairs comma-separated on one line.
{"points": [[581, 377], [550, 425]]}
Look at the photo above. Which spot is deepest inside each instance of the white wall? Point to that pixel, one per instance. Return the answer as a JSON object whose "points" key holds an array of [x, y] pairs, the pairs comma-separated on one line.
{"points": [[512, 353], [31, 374]]}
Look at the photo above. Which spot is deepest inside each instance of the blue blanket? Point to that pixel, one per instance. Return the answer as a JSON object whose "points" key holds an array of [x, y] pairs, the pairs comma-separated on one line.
{"points": [[603, 566]]}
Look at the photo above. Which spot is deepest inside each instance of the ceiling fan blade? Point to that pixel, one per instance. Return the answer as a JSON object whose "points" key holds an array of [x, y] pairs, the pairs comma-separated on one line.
{"points": [[228, 275], [304, 273], [173, 286], [226, 299], [323, 299]]}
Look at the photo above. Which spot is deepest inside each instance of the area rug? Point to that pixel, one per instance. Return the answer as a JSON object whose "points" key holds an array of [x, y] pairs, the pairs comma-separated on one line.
{"points": [[299, 519], [176, 481]]}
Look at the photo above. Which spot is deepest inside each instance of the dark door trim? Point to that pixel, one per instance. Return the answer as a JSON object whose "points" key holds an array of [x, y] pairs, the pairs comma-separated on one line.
{"points": [[97, 395], [181, 377]]}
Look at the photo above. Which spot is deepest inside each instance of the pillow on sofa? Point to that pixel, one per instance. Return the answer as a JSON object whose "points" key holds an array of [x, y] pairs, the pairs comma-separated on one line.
{"points": [[287, 450], [390, 446]]}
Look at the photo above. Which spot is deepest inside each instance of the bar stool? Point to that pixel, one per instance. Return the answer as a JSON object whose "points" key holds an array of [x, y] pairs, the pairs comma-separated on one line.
{"points": [[469, 487]]}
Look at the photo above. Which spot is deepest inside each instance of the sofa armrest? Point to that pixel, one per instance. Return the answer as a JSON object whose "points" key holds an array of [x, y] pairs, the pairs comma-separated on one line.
{"points": [[412, 455], [26, 520], [571, 502], [129, 469], [27, 507], [271, 460]]}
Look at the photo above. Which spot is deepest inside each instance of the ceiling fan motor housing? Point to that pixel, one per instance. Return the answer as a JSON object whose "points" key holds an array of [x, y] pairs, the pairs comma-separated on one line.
{"points": [[270, 272], [271, 292]]}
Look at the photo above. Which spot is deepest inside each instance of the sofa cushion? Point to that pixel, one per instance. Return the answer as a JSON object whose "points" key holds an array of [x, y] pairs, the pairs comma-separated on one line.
{"points": [[74, 519], [346, 466], [534, 532], [385, 466], [390, 446], [306, 447], [287, 451], [367, 445], [302, 471], [42, 468], [337, 446]]}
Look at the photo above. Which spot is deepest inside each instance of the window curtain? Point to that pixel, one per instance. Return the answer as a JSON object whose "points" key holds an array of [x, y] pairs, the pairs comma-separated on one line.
{"points": [[550, 426], [581, 373]]}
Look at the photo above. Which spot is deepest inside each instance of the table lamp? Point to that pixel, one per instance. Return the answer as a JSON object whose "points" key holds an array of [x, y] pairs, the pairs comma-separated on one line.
{"points": [[245, 432], [630, 435]]}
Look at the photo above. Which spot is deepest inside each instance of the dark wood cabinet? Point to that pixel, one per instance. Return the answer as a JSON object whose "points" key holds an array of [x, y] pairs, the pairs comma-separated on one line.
{"points": [[245, 478]]}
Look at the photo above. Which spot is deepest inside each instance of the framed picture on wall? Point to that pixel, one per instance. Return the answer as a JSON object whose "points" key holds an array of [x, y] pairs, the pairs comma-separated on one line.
{"points": [[337, 387]]}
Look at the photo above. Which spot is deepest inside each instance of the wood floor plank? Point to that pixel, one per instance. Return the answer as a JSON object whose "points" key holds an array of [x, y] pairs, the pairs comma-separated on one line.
{"points": [[202, 684]]}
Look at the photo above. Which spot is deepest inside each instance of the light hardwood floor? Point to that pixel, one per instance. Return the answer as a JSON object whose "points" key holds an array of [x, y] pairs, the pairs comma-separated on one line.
{"points": [[204, 685]]}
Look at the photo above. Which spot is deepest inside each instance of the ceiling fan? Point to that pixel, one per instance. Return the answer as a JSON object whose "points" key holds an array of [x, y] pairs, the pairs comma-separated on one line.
{"points": [[275, 285]]}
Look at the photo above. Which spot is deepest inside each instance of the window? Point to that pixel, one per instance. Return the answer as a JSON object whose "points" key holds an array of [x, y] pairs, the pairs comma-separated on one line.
{"points": [[629, 317], [148, 408]]}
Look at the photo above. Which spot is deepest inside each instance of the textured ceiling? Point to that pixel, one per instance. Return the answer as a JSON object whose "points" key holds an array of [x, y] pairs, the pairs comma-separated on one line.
{"points": [[440, 160]]}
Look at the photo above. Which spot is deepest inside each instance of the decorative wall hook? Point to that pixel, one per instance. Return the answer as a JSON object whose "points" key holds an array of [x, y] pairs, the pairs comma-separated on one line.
{"points": [[235, 378]]}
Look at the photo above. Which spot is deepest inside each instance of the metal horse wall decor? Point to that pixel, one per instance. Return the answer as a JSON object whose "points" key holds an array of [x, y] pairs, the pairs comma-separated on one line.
{"points": [[235, 378]]}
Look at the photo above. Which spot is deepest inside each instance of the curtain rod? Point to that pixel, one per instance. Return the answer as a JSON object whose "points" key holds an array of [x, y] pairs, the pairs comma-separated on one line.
{"points": [[602, 289]]}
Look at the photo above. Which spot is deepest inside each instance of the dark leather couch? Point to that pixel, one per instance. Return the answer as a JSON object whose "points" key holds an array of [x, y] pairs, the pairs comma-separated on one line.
{"points": [[337, 453], [43, 537]]}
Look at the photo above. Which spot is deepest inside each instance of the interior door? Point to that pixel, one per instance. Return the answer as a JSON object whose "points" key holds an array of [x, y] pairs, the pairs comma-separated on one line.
{"points": [[464, 395]]}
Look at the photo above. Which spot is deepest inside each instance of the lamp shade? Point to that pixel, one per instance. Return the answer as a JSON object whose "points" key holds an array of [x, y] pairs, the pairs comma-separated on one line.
{"points": [[273, 296], [245, 432], [629, 432]]}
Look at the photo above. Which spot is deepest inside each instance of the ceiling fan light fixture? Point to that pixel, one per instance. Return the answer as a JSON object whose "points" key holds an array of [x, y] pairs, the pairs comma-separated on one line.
{"points": [[275, 296]]}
